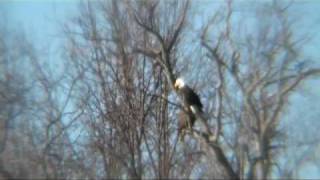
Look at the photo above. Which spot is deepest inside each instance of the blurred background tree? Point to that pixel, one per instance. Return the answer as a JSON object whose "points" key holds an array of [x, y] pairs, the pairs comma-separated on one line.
{"points": [[107, 108]]}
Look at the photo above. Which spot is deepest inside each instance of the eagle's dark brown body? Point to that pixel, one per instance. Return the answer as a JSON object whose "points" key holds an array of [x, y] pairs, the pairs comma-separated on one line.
{"points": [[190, 98], [192, 107]]}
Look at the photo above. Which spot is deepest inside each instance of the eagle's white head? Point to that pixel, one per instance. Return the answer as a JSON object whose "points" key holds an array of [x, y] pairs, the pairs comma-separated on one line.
{"points": [[179, 83]]}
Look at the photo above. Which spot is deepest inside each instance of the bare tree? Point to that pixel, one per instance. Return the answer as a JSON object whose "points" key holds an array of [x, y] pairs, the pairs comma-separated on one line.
{"points": [[256, 75], [14, 94], [124, 94], [167, 36], [109, 108]]}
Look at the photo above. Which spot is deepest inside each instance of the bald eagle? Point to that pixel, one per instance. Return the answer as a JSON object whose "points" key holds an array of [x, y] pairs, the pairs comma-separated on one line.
{"points": [[189, 97], [192, 102]]}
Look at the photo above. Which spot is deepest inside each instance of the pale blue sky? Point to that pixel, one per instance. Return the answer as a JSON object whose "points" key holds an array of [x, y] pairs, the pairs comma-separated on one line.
{"points": [[42, 20]]}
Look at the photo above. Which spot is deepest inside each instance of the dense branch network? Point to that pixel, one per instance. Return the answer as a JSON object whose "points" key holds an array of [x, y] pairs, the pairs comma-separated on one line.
{"points": [[162, 56]]}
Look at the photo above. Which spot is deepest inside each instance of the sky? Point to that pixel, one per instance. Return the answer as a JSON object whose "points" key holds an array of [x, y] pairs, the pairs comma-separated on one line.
{"points": [[42, 21]]}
